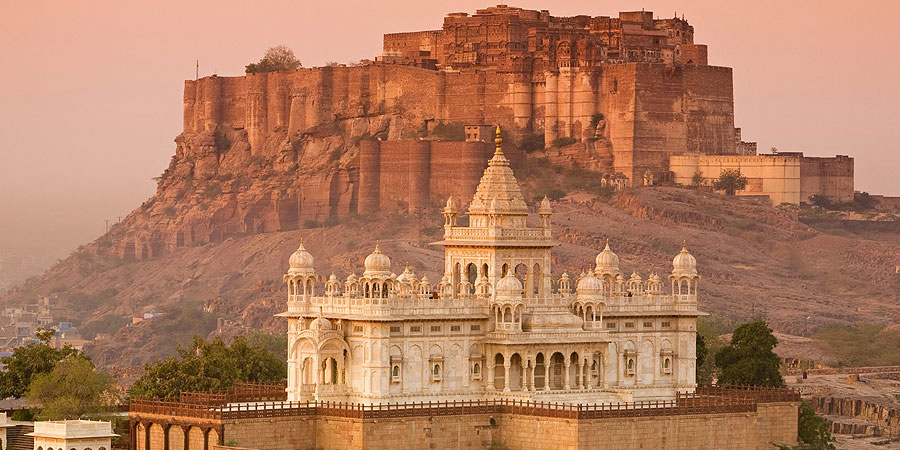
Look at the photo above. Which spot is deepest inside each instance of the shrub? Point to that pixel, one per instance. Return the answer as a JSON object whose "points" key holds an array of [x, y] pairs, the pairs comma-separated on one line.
{"points": [[531, 142], [449, 131], [212, 190], [606, 193], [335, 154], [563, 141], [730, 181], [309, 223], [556, 194]]}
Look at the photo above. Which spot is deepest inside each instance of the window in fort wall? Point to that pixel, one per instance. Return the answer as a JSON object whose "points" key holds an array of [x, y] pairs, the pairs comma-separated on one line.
{"points": [[611, 325], [455, 328], [629, 324], [475, 328], [415, 329], [395, 329], [435, 328]]}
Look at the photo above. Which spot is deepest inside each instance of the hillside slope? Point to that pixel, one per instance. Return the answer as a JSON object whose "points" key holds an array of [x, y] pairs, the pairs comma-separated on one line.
{"points": [[755, 260]]}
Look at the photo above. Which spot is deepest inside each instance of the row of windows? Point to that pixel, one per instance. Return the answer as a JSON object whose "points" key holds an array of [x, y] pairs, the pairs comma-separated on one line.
{"points": [[414, 329], [612, 325]]}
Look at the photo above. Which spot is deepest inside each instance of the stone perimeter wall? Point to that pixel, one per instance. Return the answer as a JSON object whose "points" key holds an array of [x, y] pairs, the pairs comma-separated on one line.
{"points": [[772, 422]]}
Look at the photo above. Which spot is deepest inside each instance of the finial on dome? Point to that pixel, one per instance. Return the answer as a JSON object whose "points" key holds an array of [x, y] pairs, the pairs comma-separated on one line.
{"points": [[684, 244], [377, 247], [607, 244], [498, 139]]}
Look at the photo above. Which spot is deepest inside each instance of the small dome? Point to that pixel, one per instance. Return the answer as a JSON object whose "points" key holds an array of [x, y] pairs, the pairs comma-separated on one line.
{"points": [[564, 276], [589, 285], [545, 206], [321, 324], [332, 277], [607, 261], [509, 286], [408, 276], [352, 278], [684, 262], [377, 262], [635, 278], [451, 205], [301, 261]]}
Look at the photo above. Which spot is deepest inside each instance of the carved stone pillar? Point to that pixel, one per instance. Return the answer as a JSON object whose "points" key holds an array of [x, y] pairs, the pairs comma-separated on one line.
{"points": [[524, 375], [490, 378], [506, 383], [546, 374], [566, 375]]}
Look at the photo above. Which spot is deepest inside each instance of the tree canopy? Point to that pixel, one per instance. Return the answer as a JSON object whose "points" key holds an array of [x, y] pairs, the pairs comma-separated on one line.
{"points": [[210, 366], [279, 57], [730, 181], [749, 359], [72, 390], [29, 361]]}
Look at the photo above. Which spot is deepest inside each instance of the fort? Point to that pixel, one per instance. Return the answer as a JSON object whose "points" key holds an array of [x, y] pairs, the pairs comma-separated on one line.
{"points": [[632, 98]]}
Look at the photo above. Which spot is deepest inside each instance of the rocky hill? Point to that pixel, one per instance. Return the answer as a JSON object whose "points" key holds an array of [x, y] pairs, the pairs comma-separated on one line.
{"points": [[756, 261]]}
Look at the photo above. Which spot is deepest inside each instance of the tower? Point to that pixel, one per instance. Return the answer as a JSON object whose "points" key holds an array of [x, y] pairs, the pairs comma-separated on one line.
{"points": [[497, 240]]}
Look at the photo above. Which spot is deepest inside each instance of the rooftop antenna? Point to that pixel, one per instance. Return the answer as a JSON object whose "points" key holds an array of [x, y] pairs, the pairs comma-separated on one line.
{"points": [[197, 70]]}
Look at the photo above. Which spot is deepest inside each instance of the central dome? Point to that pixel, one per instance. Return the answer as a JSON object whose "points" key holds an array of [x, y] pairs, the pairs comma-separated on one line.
{"points": [[509, 286], [377, 263], [684, 262]]}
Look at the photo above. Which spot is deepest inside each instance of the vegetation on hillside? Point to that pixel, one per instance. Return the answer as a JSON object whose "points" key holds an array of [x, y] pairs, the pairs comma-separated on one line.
{"points": [[279, 57], [862, 345], [211, 366], [812, 431]]}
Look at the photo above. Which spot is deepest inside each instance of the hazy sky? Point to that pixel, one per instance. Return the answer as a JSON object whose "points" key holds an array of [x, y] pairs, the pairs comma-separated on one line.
{"points": [[91, 91]]}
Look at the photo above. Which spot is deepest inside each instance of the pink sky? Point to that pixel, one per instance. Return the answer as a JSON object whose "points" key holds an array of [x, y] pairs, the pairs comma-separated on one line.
{"points": [[91, 91]]}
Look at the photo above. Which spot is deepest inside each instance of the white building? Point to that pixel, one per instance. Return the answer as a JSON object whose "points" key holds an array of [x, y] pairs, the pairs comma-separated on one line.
{"points": [[496, 325], [72, 434]]}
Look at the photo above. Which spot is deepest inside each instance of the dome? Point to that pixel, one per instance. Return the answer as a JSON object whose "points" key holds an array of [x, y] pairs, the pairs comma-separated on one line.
{"points": [[607, 261], [451, 205], [377, 262], [332, 278], [301, 262], [684, 262], [545, 206], [321, 324], [509, 286], [635, 278], [408, 276], [352, 278], [588, 285]]}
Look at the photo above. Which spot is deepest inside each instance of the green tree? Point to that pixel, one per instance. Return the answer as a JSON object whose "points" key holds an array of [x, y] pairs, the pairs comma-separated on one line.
{"points": [[749, 359], [730, 181], [697, 179], [701, 352], [29, 361], [279, 57], [812, 431], [72, 390], [210, 366]]}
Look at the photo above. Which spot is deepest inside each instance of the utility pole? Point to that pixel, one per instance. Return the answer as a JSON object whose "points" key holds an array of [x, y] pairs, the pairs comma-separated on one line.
{"points": [[107, 225], [197, 70]]}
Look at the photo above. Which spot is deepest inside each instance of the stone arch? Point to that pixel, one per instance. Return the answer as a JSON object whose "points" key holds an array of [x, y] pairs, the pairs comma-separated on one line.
{"points": [[412, 365], [536, 275], [472, 274], [540, 379], [557, 371], [574, 369], [516, 374], [499, 371]]}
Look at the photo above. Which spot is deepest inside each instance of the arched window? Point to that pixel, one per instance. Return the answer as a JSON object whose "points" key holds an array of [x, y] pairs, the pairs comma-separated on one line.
{"points": [[630, 364], [396, 372], [666, 363], [436, 370], [475, 369], [384, 290]]}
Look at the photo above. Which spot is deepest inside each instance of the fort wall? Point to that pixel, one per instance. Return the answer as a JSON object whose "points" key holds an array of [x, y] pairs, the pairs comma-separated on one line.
{"points": [[785, 178]]}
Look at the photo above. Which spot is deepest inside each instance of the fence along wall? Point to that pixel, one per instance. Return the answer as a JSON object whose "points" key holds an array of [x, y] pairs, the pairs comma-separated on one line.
{"points": [[739, 418]]}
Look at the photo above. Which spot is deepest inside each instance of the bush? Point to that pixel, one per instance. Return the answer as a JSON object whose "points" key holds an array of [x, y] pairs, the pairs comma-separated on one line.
{"points": [[730, 181], [449, 131], [531, 142], [563, 141], [556, 194], [309, 223], [606, 193], [212, 190], [335, 154]]}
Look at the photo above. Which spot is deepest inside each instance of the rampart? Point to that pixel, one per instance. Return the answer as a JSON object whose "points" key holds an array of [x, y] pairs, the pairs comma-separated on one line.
{"points": [[735, 418], [784, 178]]}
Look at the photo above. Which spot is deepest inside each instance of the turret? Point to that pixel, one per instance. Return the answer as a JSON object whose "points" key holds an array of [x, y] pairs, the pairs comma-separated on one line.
{"points": [[684, 277], [301, 276]]}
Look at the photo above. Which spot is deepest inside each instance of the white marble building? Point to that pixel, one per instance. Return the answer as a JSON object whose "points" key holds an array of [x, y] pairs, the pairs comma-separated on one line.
{"points": [[496, 325]]}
